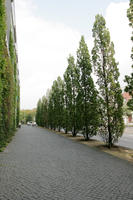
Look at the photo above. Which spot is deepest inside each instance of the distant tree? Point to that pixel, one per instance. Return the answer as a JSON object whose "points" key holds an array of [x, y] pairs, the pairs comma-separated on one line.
{"points": [[129, 79], [24, 113], [57, 99], [87, 94], [70, 88], [127, 110], [38, 113], [29, 118], [44, 112], [66, 112], [107, 73], [51, 116], [130, 104], [60, 97]]}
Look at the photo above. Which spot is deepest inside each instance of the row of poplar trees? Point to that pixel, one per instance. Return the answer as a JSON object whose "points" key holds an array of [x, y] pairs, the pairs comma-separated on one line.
{"points": [[9, 83], [75, 103]]}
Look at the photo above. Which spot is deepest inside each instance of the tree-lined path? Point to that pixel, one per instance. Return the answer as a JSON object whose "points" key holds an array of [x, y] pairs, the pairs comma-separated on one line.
{"points": [[41, 165]]}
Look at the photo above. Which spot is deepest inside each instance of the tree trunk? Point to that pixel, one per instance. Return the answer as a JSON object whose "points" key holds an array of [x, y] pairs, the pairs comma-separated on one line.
{"points": [[86, 137], [66, 131], [86, 134], [74, 132], [107, 102]]}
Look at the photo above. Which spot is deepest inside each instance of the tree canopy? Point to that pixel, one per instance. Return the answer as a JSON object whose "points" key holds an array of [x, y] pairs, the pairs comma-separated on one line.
{"points": [[106, 69]]}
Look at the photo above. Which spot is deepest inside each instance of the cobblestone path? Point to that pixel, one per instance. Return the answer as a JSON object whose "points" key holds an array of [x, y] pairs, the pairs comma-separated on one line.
{"points": [[40, 165]]}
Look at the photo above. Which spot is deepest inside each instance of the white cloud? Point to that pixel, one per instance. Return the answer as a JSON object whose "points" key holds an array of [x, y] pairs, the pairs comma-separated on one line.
{"points": [[43, 48], [117, 22]]}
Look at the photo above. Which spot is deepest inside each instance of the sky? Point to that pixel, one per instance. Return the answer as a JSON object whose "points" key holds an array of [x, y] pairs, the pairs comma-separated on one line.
{"points": [[48, 31]]}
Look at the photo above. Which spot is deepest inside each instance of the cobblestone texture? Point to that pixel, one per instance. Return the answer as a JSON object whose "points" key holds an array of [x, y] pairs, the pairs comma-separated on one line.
{"points": [[40, 165]]}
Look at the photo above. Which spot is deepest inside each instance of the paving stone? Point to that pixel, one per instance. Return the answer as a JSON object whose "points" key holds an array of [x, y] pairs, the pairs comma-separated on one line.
{"points": [[40, 165]]}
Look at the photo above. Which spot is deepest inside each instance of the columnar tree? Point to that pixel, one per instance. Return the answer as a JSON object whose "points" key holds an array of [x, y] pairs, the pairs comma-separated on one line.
{"points": [[29, 118], [59, 102], [66, 112], [56, 105], [38, 112], [129, 79], [70, 88], [107, 72], [44, 111], [87, 94], [50, 110]]}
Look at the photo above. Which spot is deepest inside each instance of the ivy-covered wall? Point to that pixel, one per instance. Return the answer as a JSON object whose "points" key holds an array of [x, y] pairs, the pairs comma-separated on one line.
{"points": [[9, 82]]}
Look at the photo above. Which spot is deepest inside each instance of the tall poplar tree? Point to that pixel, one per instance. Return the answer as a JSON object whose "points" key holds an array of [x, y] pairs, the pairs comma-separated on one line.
{"points": [[70, 83], [45, 111], [107, 72], [60, 103], [66, 112], [129, 79], [51, 110], [87, 94], [38, 113], [56, 104]]}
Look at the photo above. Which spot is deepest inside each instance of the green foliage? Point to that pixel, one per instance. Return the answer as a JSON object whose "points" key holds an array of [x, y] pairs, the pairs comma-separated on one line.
{"points": [[29, 118], [129, 86], [130, 104], [87, 94], [70, 96], [2, 60], [11, 49], [17, 105], [72, 103], [75, 104], [44, 111], [12, 59], [56, 104], [27, 115], [107, 72], [7, 82], [38, 113]]}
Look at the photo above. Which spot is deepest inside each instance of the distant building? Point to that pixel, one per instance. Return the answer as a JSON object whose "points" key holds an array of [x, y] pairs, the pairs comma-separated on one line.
{"points": [[126, 96], [129, 117]]}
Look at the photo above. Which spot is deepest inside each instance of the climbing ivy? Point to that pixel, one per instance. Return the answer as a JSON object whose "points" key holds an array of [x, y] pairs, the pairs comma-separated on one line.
{"points": [[9, 85]]}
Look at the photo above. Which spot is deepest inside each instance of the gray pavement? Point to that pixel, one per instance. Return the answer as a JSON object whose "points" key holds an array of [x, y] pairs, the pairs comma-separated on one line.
{"points": [[40, 165], [127, 138]]}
